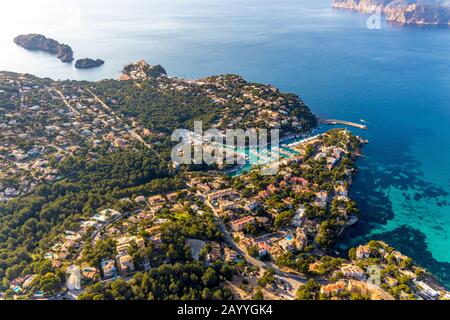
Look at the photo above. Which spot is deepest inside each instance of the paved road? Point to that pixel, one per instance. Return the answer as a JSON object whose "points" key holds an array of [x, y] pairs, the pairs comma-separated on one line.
{"points": [[66, 102]]}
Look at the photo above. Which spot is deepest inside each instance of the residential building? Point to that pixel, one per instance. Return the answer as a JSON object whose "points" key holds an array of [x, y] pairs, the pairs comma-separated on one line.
{"points": [[341, 190], [301, 238], [391, 281], [123, 248], [215, 253], [408, 274], [140, 199], [352, 271], [333, 289], [171, 197], [230, 255], [368, 289], [363, 252], [214, 196], [252, 206], [108, 268], [297, 221], [263, 248], [89, 273], [238, 225], [125, 263], [321, 199], [300, 181], [225, 205], [426, 291], [203, 188], [398, 256], [158, 199]]}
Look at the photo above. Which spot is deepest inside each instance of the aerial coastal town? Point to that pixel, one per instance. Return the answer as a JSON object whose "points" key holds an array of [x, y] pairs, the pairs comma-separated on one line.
{"points": [[174, 231], [45, 121], [43, 124]]}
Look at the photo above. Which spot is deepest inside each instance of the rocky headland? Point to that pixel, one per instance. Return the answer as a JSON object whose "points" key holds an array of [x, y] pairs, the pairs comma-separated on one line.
{"points": [[141, 70], [413, 12]]}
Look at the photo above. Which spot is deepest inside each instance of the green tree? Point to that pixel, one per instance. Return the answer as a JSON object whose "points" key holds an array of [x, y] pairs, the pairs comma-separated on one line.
{"points": [[352, 254], [258, 294], [43, 267], [209, 278], [50, 283], [309, 291]]}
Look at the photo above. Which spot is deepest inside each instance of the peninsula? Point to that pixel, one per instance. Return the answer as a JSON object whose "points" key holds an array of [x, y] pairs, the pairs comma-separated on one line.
{"points": [[413, 12], [40, 42]]}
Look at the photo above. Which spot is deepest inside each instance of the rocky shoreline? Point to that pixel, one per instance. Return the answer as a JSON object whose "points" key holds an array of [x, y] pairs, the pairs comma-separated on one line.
{"points": [[408, 12]]}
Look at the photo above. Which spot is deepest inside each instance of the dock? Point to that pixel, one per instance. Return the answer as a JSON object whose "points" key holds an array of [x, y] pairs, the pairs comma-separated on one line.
{"points": [[346, 123]]}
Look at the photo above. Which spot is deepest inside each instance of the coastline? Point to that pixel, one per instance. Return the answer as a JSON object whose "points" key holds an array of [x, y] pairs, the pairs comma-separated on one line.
{"points": [[307, 139]]}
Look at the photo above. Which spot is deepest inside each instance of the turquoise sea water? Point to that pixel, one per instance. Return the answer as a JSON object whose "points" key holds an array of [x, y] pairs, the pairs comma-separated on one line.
{"points": [[396, 78]]}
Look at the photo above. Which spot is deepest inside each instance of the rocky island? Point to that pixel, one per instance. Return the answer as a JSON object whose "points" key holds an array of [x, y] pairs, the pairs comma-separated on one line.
{"points": [[414, 12], [87, 63], [40, 42]]}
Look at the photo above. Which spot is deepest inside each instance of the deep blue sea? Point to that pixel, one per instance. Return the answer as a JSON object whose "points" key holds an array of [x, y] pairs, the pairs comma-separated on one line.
{"points": [[396, 78]]}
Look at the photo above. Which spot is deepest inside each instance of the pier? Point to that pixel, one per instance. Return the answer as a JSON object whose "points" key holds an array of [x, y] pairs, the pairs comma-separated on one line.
{"points": [[346, 123]]}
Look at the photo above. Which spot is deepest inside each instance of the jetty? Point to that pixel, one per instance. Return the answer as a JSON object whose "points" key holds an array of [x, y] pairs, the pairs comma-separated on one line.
{"points": [[346, 123]]}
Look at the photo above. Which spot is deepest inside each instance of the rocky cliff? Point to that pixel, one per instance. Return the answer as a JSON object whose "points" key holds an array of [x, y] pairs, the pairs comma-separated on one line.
{"points": [[418, 12], [40, 42]]}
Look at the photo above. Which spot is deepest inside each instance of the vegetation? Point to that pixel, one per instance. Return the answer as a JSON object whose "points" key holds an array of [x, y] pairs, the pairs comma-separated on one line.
{"points": [[179, 281], [309, 291], [28, 223]]}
